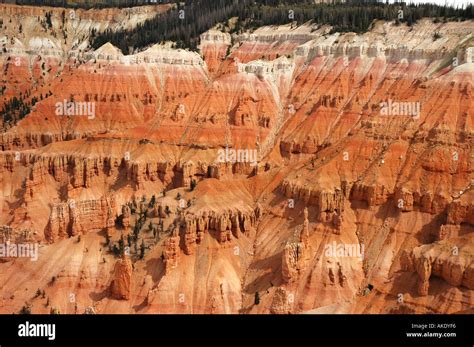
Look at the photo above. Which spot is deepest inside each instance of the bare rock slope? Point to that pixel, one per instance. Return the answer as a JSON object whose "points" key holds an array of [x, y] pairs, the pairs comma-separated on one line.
{"points": [[287, 170]]}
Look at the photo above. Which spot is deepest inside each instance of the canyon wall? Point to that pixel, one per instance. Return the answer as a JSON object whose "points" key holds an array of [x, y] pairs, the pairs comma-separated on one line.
{"points": [[286, 170]]}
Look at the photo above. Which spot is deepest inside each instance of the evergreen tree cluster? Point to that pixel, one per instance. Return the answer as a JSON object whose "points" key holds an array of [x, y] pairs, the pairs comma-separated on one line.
{"points": [[183, 24], [87, 4], [188, 19], [15, 109]]}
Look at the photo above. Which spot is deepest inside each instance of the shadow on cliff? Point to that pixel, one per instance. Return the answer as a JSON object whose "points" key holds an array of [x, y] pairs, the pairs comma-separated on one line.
{"points": [[156, 269], [19, 193], [272, 268], [404, 282], [426, 234], [122, 181], [295, 212], [98, 296], [63, 193]]}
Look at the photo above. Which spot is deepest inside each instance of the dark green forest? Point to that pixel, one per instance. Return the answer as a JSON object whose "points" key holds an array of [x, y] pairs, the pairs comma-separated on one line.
{"points": [[183, 25], [188, 19], [87, 4], [16, 109]]}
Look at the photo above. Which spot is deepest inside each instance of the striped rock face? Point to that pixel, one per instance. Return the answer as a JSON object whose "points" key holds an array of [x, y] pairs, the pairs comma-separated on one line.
{"points": [[307, 166]]}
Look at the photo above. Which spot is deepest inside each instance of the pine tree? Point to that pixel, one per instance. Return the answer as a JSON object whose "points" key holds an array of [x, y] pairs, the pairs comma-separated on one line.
{"points": [[121, 245], [257, 298], [142, 249], [193, 184], [26, 309]]}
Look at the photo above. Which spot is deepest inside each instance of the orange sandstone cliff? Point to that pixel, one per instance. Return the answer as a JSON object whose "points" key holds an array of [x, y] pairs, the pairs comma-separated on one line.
{"points": [[263, 174]]}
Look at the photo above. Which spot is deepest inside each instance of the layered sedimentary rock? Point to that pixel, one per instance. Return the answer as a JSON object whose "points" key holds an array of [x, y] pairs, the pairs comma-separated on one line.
{"points": [[459, 218], [171, 252], [327, 201], [9, 234], [450, 260], [226, 225], [295, 254], [461, 210], [215, 46], [79, 217], [122, 279], [282, 301], [260, 154], [125, 216], [39, 50]]}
